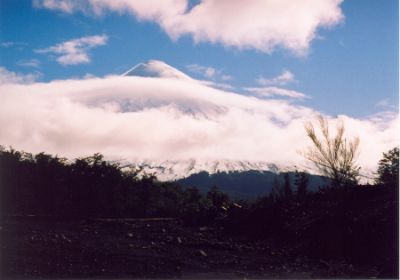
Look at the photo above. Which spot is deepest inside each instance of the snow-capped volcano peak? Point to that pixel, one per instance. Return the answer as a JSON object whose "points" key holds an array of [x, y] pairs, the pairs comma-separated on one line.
{"points": [[169, 170], [156, 69]]}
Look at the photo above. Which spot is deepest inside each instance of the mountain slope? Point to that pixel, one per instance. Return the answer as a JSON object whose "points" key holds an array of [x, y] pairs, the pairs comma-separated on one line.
{"points": [[239, 179], [246, 184], [171, 170], [156, 69]]}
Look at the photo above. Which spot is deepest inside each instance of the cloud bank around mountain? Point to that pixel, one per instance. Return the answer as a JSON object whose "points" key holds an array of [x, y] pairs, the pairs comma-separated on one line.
{"points": [[168, 118], [262, 25]]}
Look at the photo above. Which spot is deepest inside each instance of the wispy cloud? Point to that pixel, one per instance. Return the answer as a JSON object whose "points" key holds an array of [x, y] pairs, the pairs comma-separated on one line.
{"points": [[28, 63], [263, 25], [272, 87], [66, 6], [213, 77], [9, 77], [75, 51], [7, 44], [280, 80], [208, 72], [386, 104], [276, 92], [11, 44]]}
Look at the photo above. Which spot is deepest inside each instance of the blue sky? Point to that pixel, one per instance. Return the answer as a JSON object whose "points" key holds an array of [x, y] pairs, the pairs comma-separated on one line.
{"points": [[351, 68]]}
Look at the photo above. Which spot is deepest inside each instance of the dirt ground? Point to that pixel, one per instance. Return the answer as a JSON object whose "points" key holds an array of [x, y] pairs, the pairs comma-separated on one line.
{"points": [[148, 248]]}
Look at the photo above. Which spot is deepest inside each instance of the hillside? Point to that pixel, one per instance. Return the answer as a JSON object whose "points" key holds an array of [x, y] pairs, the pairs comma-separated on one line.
{"points": [[246, 184]]}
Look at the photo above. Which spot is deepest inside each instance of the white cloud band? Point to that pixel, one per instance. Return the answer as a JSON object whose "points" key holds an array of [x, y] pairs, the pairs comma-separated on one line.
{"points": [[165, 118]]}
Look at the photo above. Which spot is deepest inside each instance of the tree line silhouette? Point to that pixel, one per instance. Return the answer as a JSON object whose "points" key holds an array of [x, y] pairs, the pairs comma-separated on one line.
{"points": [[355, 223], [47, 185]]}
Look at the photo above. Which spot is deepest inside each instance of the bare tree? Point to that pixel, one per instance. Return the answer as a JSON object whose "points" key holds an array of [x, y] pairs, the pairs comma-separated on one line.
{"points": [[335, 156]]}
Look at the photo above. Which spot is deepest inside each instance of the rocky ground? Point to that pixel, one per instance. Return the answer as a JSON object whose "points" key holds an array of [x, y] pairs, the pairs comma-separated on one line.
{"points": [[149, 248]]}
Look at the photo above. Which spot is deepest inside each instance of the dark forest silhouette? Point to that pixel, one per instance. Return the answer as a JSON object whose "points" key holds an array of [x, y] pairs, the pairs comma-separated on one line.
{"points": [[357, 223]]}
